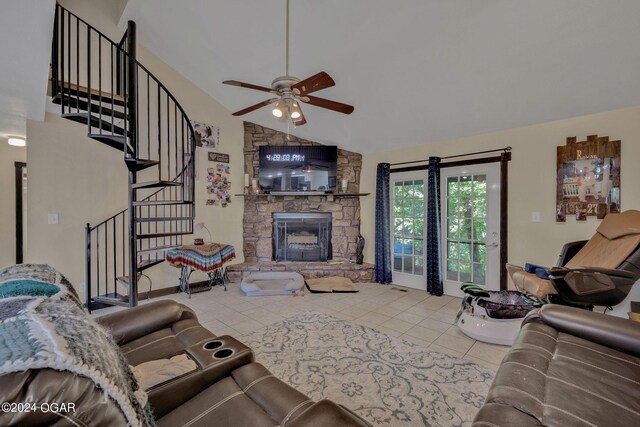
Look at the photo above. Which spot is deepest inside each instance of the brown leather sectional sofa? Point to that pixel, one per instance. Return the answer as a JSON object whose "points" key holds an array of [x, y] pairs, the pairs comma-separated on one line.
{"points": [[568, 367], [227, 389]]}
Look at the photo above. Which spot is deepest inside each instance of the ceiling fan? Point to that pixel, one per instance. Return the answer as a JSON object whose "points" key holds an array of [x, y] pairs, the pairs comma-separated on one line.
{"points": [[291, 90]]}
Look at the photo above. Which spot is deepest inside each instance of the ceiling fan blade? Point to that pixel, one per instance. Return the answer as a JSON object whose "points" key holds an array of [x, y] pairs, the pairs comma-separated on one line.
{"points": [[314, 83], [331, 105], [248, 86], [255, 107], [300, 120]]}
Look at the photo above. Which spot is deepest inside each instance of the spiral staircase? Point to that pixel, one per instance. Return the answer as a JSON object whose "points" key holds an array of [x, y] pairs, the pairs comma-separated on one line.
{"points": [[99, 83]]}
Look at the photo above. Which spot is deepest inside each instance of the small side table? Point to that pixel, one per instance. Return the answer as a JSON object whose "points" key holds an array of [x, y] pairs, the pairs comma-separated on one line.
{"points": [[209, 258]]}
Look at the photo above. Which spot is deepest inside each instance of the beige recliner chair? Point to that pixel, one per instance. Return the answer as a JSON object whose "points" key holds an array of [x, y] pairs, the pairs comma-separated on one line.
{"points": [[609, 260]]}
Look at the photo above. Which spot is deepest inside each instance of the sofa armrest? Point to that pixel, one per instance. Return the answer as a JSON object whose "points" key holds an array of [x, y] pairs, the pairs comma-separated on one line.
{"points": [[614, 332], [591, 280], [169, 395], [128, 325], [326, 413], [559, 272]]}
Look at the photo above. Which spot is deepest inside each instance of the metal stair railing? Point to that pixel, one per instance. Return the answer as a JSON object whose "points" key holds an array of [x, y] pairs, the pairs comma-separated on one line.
{"points": [[100, 83]]}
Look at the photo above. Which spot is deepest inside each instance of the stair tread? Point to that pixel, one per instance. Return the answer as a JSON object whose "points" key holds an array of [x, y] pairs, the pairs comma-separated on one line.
{"points": [[124, 280], [164, 219], [116, 141], [136, 165], [154, 184], [106, 125], [156, 235], [82, 89], [112, 299], [161, 202], [82, 105], [120, 138]]}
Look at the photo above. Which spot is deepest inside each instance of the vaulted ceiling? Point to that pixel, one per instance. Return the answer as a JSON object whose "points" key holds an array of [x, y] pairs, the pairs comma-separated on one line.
{"points": [[417, 71], [25, 30]]}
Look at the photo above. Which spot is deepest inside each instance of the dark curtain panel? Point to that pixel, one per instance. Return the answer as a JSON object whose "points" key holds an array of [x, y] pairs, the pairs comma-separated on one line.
{"points": [[434, 274], [383, 225]]}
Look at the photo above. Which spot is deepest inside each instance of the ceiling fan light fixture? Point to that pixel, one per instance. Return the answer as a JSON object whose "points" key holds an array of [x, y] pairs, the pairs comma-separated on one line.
{"points": [[295, 110], [277, 110], [290, 90]]}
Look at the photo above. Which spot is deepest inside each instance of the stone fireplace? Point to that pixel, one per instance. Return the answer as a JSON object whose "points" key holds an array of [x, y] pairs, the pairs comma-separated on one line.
{"points": [[261, 242], [259, 209], [302, 236]]}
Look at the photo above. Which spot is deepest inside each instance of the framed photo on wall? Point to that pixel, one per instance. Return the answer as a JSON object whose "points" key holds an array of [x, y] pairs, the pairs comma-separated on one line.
{"points": [[206, 135], [588, 178]]}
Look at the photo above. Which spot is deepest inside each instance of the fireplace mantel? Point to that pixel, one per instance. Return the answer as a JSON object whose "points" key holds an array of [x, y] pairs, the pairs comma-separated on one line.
{"points": [[302, 194]]}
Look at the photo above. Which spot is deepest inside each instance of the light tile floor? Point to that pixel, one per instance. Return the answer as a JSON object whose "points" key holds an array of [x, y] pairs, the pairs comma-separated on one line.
{"points": [[413, 315]]}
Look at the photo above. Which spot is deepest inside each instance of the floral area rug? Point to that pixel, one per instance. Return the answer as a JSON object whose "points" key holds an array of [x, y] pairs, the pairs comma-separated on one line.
{"points": [[387, 381]]}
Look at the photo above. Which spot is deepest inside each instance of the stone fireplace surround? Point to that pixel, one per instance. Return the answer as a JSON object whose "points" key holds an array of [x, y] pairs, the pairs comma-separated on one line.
{"points": [[259, 209]]}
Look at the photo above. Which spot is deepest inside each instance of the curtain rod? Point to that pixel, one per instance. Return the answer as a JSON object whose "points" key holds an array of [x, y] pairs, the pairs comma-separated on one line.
{"points": [[504, 150]]}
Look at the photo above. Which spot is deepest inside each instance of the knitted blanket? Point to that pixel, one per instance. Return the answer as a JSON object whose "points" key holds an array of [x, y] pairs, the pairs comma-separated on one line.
{"points": [[202, 257], [34, 280], [47, 328]]}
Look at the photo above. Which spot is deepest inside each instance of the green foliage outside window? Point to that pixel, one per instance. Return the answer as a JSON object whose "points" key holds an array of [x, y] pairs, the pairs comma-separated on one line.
{"points": [[408, 226], [466, 210], [466, 228]]}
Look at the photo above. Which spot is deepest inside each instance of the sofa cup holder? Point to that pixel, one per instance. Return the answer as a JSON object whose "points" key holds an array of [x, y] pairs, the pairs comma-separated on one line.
{"points": [[223, 353], [212, 345]]}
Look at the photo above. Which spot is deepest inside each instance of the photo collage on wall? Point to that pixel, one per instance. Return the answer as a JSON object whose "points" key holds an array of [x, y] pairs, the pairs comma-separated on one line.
{"points": [[218, 184]]}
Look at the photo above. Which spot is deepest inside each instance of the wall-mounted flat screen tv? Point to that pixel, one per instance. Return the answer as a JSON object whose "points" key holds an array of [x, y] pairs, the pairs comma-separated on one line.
{"points": [[287, 168]]}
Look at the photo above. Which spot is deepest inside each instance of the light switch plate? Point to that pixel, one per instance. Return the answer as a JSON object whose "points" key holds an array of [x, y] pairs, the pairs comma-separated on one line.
{"points": [[535, 217], [52, 218]]}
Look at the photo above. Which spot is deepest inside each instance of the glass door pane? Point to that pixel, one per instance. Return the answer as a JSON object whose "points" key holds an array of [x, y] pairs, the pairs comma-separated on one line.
{"points": [[408, 226], [466, 219]]}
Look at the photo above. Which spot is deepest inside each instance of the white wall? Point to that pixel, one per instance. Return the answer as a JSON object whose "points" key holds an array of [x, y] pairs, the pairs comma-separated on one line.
{"points": [[8, 156], [532, 178], [81, 180], [85, 181]]}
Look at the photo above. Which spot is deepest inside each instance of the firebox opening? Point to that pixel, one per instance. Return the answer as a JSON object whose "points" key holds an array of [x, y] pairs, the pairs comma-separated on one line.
{"points": [[302, 236]]}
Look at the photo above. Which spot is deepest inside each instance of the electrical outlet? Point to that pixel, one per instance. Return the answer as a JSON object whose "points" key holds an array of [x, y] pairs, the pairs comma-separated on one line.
{"points": [[52, 218], [535, 217]]}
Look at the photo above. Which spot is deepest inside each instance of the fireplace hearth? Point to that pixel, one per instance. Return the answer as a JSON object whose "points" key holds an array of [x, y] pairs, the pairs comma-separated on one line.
{"points": [[302, 236]]}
